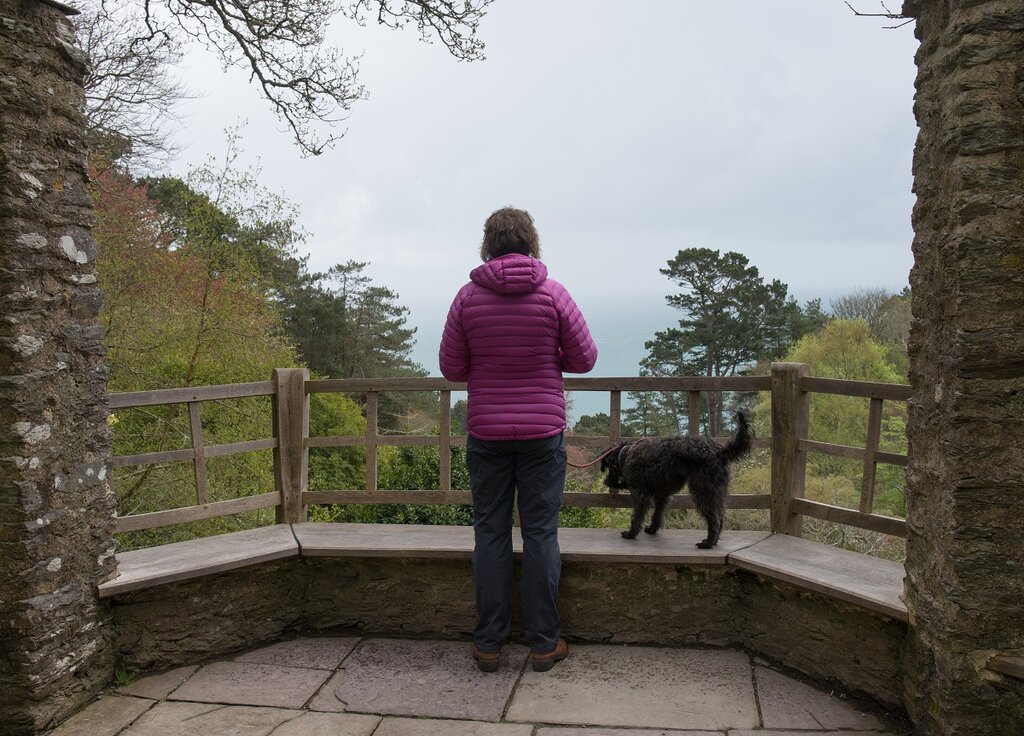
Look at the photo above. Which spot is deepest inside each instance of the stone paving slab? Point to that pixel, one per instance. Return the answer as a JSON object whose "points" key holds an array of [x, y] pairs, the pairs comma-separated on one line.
{"points": [[640, 687], [428, 727], [319, 653], [585, 731], [159, 686], [433, 679], [811, 733], [204, 719], [788, 703], [326, 724], [244, 683], [106, 717]]}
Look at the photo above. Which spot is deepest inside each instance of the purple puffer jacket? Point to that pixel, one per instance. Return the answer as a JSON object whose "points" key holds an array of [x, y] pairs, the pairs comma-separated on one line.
{"points": [[510, 333]]}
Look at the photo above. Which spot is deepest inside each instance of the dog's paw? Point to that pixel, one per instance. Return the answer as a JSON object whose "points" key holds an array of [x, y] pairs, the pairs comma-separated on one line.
{"points": [[629, 534], [650, 529], [706, 544]]}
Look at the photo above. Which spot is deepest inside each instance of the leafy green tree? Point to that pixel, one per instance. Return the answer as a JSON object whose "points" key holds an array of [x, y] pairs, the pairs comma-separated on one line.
{"points": [[336, 468], [593, 424], [888, 317], [845, 349], [731, 318], [173, 319], [344, 326], [347, 327], [221, 212], [410, 469]]}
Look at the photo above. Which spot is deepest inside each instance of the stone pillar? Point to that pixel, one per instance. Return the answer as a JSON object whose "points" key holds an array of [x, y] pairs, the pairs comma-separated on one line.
{"points": [[56, 504], [965, 554]]}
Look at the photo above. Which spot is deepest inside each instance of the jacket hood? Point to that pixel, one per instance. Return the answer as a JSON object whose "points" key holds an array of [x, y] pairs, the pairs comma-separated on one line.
{"points": [[510, 274]]}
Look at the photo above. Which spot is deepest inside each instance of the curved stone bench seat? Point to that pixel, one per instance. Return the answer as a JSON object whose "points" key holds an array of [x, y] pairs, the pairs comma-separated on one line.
{"points": [[833, 614]]}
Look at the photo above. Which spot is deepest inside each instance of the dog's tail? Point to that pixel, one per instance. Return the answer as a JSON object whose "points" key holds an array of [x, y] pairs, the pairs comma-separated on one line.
{"points": [[739, 445]]}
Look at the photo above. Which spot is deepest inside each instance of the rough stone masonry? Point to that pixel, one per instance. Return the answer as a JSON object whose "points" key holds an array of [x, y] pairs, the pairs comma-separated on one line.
{"points": [[56, 505], [965, 553]]}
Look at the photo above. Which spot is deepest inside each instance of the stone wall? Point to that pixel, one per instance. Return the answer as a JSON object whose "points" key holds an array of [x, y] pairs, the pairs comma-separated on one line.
{"points": [[188, 622], [56, 508], [663, 605], [965, 555]]}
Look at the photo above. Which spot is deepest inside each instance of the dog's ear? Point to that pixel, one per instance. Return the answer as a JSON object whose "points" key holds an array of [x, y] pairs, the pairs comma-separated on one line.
{"points": [[609, 457]]}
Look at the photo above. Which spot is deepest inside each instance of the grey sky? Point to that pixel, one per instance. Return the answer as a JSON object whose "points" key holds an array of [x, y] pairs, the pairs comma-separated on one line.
{"points": [[780, 130]]}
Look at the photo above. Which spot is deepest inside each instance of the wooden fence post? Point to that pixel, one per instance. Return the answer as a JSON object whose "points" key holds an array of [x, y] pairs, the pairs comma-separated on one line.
{"points": [[789, 461], [291, 427]]}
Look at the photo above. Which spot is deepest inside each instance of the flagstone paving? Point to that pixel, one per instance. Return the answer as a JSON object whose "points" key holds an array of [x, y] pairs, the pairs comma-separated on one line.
{"points": [[371, 686]]}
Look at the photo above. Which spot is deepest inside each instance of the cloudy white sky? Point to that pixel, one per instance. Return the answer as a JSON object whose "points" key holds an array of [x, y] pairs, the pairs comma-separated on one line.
{"points": [[630, 131]]}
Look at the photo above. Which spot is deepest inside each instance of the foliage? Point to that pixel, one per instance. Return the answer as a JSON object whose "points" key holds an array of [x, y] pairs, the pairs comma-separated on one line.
{"points": [[346, 327], [281, 46], [244, 230], [887, 315], [410, 469], [336, 468], [846, 350], [171, 316], [173, 319], [731, 318], [593, 425]]}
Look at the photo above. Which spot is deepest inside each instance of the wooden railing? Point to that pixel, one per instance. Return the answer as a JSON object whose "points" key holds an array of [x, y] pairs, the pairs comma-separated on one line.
{"points": [[290, 389], [372, 388]]}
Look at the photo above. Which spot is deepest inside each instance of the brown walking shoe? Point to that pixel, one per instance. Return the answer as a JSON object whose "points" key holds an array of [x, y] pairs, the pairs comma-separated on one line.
{"points": [[486, 661], [544, 662]]}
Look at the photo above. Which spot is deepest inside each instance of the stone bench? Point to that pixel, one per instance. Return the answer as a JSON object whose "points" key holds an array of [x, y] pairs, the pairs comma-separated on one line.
{"points": [[140, 569], [833, 614], [849, 576]]}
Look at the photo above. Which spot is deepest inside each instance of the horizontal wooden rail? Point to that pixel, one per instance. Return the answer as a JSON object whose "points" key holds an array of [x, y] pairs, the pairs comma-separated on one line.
{"points": [[389, 440], [852, 453], [588, 500], [459, 440], [865, 389], [137, 522], [683, 383], [624, 383], [133, 399], [850, 517], [170, 456]]}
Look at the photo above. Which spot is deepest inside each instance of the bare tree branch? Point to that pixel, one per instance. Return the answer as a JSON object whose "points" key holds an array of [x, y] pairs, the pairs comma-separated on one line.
{"points": [[131, 94], [907, 19], [281, 44]]}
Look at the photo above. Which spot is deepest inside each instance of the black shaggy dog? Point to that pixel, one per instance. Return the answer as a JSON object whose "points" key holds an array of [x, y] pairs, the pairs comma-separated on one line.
{"points": [[654, 469]]}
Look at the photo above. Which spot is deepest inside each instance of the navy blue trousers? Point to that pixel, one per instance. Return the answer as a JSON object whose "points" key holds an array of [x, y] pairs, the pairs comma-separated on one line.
{"points": [[536, 468]]}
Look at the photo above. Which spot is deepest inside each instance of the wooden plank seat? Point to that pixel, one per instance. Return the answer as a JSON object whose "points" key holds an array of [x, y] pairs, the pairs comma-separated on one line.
{"points": [[672, 546], [856, 578], [169, 563], [866, 581]]}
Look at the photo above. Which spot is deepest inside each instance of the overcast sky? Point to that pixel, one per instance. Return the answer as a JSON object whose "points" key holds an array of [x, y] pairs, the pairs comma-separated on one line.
{"points": [[780, 130]]}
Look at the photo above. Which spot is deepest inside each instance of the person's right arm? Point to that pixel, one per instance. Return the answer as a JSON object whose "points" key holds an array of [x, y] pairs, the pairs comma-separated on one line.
{"points": [[579, 353]]}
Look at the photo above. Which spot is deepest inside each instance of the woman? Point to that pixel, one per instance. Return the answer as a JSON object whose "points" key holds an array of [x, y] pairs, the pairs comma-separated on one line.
{"points": [[511, 332]]}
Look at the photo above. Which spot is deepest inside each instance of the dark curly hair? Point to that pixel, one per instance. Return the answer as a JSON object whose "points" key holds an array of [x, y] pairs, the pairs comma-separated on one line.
{"points": [[509, 230]]}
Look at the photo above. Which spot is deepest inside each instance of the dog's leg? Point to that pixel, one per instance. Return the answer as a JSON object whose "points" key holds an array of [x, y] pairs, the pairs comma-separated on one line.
{"points": [[641, 502], [658, 518], [709, 498]]}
